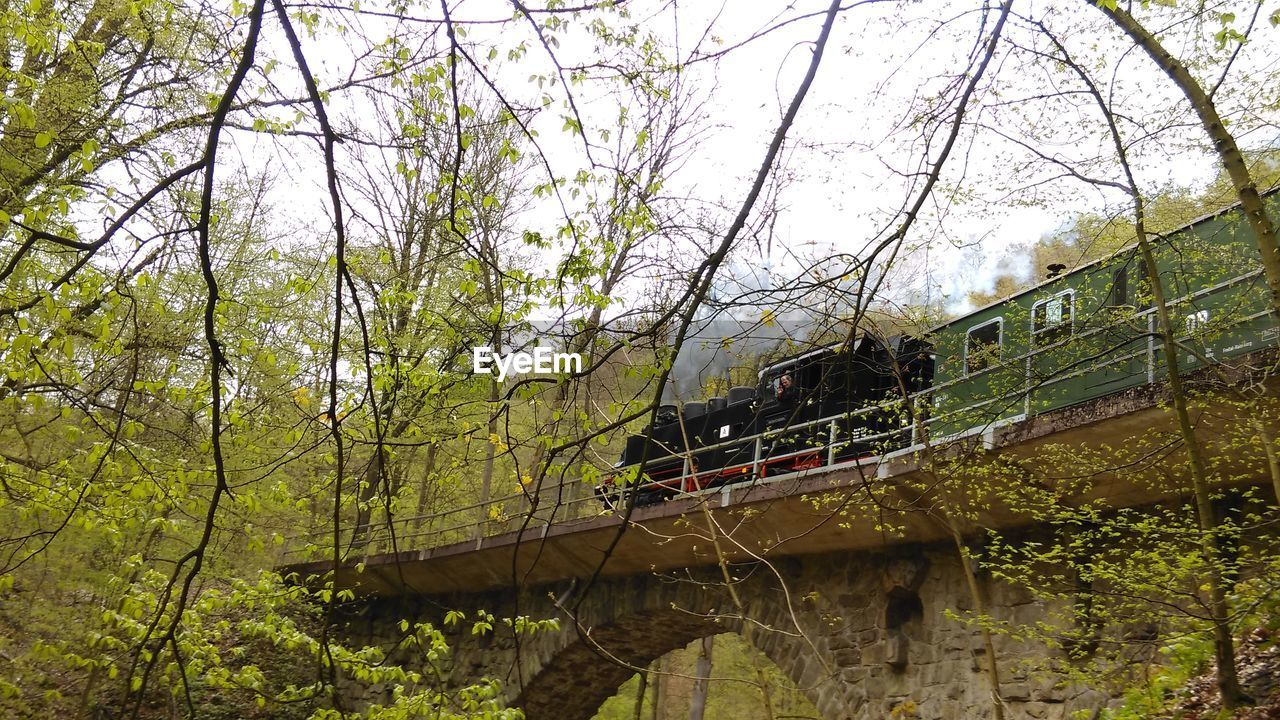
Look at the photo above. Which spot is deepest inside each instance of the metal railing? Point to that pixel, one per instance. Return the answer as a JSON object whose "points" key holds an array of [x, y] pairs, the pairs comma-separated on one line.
{"points": [[534, 513]]}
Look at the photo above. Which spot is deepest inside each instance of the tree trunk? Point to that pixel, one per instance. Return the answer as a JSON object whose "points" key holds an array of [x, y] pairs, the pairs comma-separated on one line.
{"points": [[702, 679], [1223, 644], [979, 609], [491, 451], [1273, 459], [1232, 696], [766, 695], [643, 685], [659, 683], [424, 490], [992, 666], [365, 495]]}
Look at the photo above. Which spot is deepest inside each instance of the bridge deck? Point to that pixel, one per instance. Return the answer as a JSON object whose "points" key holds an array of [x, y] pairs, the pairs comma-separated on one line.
{"points": [[800, 513]]}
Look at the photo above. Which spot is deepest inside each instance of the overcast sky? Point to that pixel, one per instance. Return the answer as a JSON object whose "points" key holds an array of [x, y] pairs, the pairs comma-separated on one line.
{"points": [[848, 149]]}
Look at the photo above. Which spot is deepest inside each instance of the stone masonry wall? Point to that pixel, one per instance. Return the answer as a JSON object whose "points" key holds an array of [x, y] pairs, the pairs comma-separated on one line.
{"points": [[860, 634]]}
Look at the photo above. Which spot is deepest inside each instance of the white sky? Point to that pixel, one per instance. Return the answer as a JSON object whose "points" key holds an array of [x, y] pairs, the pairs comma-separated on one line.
{"points": [[843, 152]]}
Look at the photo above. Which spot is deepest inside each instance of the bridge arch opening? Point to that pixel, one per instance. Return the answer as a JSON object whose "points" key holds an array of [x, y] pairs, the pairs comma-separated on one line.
{"points": [[738, 670], [593, 675]]}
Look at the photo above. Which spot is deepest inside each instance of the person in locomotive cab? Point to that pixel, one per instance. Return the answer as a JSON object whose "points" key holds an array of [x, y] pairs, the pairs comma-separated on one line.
{"points": [[787, 392]]}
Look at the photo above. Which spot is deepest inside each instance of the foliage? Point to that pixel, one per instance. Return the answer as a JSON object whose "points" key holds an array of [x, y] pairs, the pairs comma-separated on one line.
{"points": [[239, 656], [733, 692], [1093, 236], [239, 285]]}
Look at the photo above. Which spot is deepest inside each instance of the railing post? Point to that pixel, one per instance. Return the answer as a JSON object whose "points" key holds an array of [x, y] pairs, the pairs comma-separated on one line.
{"points": [[915, 408], [1027, 385], [483, 511], [1151, 348], [831, 442], [755, 457]]}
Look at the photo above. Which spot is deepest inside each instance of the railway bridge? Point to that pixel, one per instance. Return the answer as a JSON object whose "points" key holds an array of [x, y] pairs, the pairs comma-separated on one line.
{"points": [[849, 577]]}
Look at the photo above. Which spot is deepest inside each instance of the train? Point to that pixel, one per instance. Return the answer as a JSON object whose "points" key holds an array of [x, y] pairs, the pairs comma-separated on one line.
{"points": [[1074, 337]]}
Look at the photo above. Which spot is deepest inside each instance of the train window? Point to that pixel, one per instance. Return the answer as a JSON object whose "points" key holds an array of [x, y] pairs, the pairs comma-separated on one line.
{"points": [[1141, 292], [785, 388], [982, 345], [1051, 319], [1196, 321], [1119, 288]]}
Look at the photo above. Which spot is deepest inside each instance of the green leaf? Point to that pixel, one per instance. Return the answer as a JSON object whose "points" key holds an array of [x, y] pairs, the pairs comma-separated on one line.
{"points": [[43, 139]]}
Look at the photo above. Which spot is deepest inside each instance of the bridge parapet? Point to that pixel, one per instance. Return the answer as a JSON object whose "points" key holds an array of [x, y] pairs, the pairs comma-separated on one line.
{"points": [[839, 506], [576, 505]]}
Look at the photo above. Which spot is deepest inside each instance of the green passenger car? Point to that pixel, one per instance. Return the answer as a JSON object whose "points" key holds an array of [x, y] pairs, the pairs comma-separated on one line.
{"points": [[1092, 332]]}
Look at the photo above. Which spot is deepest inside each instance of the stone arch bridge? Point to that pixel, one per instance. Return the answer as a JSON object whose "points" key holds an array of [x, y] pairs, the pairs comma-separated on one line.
{"points": [[863, 618], [859, 634]]}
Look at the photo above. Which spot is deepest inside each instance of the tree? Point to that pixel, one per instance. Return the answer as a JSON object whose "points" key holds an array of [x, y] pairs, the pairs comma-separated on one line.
{"points": [[241, 286], [1224, 142], [1217, 564], [435, 294]]}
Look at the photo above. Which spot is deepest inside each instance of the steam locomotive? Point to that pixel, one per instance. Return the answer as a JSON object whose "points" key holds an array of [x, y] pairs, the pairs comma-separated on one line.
{"points": [[774, 427]]}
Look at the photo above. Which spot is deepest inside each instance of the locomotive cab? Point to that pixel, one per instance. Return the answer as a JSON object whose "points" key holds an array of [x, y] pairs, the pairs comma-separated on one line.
{"points": [[790, 396]]}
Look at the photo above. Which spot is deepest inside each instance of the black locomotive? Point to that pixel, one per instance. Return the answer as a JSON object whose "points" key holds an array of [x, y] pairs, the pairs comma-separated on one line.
{"points": [[782, 425]]}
